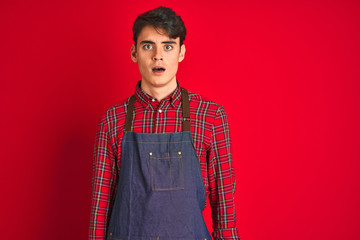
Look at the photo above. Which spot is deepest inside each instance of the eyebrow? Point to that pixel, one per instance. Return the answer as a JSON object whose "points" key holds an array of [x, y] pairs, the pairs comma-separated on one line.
{"points": [[151, 42]]}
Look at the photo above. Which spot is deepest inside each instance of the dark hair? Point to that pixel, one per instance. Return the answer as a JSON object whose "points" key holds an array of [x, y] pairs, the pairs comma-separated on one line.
{"points": [[161, 17]]}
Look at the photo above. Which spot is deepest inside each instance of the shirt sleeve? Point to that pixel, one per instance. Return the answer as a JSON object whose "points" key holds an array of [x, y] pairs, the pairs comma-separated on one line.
{"points": [[222, 181], [103, 182]]}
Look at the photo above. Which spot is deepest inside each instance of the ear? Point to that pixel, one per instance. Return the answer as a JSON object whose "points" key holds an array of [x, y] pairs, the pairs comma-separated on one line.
{"points": [[182, 53], [133, 53]]}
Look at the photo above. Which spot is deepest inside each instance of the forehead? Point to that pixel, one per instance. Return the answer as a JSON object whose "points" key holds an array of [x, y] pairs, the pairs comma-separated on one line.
{"points": [[149, 33]]}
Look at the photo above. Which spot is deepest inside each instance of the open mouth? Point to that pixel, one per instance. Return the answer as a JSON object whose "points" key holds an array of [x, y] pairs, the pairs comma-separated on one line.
{"points": [[158, 69]]}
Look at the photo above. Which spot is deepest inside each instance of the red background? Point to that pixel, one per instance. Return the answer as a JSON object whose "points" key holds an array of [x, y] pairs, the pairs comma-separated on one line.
{"points": [[286, 72]]}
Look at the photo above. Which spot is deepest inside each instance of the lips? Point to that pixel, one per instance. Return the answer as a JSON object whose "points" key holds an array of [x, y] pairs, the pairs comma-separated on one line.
{"points": [[158, 69]]}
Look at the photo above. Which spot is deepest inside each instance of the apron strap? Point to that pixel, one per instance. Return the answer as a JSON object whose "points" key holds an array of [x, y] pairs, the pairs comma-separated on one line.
{"points": [[185, 111], [129, 114]]}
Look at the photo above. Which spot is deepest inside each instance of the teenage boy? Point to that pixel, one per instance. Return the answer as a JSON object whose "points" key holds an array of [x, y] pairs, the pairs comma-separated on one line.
{"points": [[161, 151]]}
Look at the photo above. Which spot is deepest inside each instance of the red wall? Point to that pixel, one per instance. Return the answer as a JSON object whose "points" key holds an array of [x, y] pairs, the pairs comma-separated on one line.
{"points": [[287, 73]]}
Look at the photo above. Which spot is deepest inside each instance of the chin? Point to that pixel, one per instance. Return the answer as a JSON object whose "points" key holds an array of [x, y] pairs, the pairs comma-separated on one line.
{"points": [[159, 81]]}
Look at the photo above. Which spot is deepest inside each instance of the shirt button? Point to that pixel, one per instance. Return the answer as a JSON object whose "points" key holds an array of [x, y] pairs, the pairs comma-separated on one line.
{"points": [[153, 99], [160, 111]]}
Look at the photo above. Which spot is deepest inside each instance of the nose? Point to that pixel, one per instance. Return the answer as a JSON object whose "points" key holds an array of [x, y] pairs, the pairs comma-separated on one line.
{"points": [[157, 54]]}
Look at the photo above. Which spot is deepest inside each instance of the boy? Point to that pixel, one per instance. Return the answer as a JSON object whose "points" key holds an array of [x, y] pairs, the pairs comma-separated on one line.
{"points": [[161, 151]]}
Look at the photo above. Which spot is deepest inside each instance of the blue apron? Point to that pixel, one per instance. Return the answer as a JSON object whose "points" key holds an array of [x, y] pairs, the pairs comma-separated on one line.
{"points": [[160, 192]]}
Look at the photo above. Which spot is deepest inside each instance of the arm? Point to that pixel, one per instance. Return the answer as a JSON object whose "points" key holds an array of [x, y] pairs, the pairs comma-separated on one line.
{"points": [[103, 181], [222, 180]]}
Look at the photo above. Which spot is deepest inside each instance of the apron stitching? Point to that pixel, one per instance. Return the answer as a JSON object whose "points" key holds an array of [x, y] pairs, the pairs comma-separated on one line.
{"points": [[170, 171]]}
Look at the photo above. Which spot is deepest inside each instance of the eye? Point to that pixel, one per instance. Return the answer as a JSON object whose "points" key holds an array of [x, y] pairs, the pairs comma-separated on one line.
{"points": [[147, 46], [168, 47]]}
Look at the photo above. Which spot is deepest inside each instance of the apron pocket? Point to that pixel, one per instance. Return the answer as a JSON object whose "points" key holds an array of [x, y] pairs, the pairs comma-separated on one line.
{"points": [[166, 173]]}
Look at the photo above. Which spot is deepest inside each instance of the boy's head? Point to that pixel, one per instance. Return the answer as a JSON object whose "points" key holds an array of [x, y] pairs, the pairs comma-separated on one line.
{"points": [[158, 46], [160, 18]]}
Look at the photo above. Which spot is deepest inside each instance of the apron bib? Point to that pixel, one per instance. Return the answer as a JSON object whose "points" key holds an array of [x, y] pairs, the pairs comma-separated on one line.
{"points": [[160, 192]]}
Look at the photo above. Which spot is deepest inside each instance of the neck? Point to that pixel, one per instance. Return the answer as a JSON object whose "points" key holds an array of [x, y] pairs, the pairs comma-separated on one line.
{"points": [[159, 92]]}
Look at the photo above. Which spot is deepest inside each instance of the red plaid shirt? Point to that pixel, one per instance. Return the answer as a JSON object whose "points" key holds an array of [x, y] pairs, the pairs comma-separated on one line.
{"points": [[210, 132]]}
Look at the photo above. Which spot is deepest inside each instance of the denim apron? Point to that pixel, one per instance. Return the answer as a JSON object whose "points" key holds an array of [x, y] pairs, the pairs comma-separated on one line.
{"points": [[160, 192]]}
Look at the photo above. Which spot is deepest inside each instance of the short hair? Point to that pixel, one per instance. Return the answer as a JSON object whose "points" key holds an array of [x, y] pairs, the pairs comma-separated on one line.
{"points": [[160, 17]]}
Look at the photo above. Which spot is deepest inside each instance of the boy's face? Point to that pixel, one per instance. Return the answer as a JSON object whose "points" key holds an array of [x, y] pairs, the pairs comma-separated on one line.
{"points": [[158, 56]]}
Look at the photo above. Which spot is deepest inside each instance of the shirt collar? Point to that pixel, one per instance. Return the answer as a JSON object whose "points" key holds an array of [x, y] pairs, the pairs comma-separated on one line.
{"points": [[146, 99]]}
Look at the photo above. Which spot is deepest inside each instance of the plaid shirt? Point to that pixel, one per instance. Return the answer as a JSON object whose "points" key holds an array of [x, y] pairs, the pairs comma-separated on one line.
{"points": [[210, 131]]}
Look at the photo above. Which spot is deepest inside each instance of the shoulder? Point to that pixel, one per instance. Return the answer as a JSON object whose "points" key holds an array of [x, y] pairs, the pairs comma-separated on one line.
{"points": [[114, 113], [204, 103]]}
